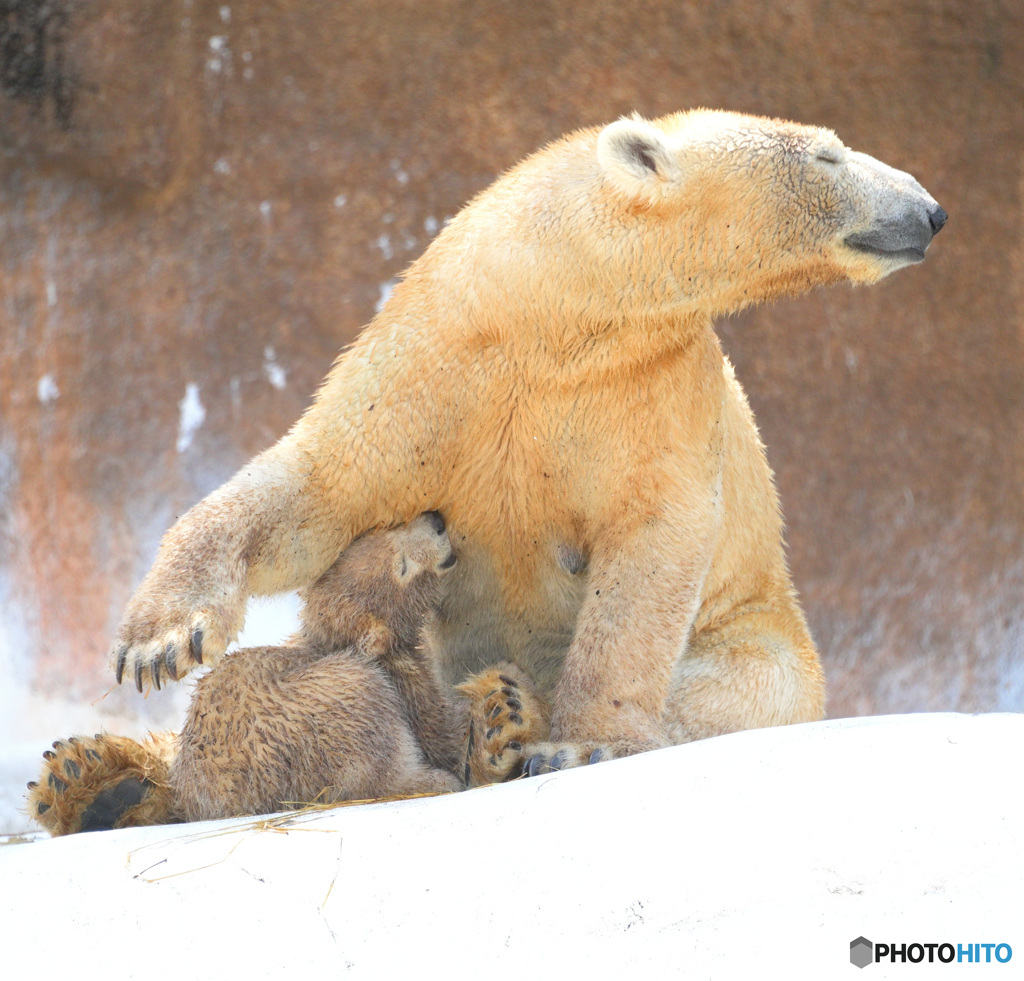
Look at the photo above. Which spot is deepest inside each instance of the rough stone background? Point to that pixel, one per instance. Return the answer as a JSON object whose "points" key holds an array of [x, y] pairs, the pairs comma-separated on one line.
{"points": [[201, 202]]}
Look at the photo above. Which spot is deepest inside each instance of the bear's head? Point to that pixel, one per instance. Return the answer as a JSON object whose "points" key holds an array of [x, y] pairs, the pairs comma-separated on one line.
{"points": [[696, 214], [742, 209], [381, 591]]}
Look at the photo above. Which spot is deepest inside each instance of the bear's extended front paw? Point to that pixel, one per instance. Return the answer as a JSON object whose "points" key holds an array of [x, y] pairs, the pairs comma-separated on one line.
{"points": [[99, 783], [506, 713], [156, 642]]}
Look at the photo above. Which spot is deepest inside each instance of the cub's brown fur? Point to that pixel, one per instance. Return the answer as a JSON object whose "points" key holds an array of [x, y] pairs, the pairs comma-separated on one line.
{"points": [[351, 708], [547, 376]]}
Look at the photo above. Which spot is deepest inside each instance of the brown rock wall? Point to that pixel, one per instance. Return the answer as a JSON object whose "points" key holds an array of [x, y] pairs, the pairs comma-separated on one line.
{"points": [[216, 194]]}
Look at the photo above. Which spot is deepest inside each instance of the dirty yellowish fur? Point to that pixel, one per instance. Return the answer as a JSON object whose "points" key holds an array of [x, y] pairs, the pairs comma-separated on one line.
{"points": [[547, 377]]}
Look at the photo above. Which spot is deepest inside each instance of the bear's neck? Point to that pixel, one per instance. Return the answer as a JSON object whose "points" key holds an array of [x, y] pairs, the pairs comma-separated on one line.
{"points": [[523, 270], [532, 324]]}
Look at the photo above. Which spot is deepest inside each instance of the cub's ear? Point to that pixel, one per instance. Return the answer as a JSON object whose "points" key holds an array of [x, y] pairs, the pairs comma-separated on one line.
{"points": [[636, 158]]}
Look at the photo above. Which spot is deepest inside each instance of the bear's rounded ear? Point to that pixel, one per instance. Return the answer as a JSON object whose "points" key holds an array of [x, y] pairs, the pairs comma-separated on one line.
{"points": [[635, 157]]}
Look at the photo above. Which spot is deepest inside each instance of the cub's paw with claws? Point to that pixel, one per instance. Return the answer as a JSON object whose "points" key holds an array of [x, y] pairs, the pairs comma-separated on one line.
{"points": [[103, 782], [506, 714]]}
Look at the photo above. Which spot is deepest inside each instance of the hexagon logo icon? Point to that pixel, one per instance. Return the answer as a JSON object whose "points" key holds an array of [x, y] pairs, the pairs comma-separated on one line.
{"points": [[861, 952]]}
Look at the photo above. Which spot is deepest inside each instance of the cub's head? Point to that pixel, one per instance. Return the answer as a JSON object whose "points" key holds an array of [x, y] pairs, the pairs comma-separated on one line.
{"points": [[382, 589], [738, 209]]}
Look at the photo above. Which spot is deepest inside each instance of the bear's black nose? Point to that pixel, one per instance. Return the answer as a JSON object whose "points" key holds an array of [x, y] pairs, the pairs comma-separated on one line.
{"points": [[436, 521], [937, 218]]}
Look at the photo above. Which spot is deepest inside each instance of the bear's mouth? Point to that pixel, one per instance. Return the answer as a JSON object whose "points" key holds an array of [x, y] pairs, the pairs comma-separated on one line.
{"points": [[904, 255], [448, 562]]}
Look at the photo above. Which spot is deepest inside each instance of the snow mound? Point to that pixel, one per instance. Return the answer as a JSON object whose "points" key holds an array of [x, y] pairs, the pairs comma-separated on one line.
{"points": [[758, 854]]}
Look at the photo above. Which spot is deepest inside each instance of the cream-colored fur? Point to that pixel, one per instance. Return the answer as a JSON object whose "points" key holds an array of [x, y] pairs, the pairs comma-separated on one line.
{"points": [[547, 376]]}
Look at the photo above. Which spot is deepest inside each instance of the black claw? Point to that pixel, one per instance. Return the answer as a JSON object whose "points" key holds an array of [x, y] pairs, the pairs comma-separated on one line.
{"points": [[470, 743], [42, 808], [57, 744], [59, 785], [559, 759], [496, 731], [493, 760], [598, 756], [122, 656], [508, 692], [515, 719], [73, 740], [513, 704], [154, 673], [516, 746], [535, 766], [506, 680], [93, 755], [494, 712], [49, 754], [72, 769], [171, 661], [32, 785], [138, 676], [197, 646]]}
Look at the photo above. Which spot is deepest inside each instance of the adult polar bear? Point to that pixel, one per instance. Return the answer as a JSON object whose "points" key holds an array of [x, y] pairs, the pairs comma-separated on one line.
{"points": [[547, 377]]}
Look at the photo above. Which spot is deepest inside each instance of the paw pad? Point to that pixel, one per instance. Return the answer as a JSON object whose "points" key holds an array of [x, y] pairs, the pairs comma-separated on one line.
{"points": [[111, 804], [506, 714], [97, 784]]}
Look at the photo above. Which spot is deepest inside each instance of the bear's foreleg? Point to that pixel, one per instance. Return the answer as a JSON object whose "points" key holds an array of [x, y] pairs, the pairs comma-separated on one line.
{"points": [[192, 602], [643, 594], [357, 460], [437, 719]]}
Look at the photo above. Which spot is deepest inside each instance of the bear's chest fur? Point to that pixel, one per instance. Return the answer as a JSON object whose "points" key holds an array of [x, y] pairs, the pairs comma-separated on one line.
{"points": [[556, 469]]}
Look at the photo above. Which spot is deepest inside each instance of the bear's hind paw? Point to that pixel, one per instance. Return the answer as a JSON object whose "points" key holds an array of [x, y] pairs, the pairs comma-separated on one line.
{"points": [[95, 784], [506, 713]]}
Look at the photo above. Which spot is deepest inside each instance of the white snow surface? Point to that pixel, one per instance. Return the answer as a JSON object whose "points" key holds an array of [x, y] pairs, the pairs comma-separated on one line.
{"points": [[760, 854]]}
